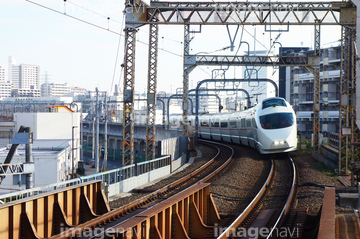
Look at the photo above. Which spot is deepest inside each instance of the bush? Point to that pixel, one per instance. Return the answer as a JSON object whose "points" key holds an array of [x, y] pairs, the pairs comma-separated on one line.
{"points": [[304, 146]]}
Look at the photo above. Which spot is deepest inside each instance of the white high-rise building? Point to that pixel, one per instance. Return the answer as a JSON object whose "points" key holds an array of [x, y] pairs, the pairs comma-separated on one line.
{"points": [[12, 62], [24, 76]]}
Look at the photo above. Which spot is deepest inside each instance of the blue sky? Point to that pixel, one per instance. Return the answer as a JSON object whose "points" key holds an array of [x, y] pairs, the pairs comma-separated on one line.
{"points": [[84, 56]]}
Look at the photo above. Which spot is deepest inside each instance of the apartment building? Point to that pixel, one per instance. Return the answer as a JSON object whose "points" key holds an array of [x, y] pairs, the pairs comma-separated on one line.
{"points": [[54, 89], [300, 88], [24, 76]]}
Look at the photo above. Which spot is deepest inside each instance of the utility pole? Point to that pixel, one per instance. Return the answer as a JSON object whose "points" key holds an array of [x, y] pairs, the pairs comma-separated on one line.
{"points": [[97, 132], [29, 158], [105, 136], [93, 134], [72, 152]]}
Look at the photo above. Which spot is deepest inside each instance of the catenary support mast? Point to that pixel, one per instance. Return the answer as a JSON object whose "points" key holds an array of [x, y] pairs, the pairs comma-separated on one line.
{"points": [[128, 103], [151, 92]]}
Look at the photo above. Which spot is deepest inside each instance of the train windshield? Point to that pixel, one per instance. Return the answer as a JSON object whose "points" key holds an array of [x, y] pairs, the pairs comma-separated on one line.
{"points": [[276, 121], [273, 102]]}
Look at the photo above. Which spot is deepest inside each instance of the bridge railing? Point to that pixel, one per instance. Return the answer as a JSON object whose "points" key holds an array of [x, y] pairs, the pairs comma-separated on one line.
{"points": [[116, 175], [110, 177], [9, 197]]}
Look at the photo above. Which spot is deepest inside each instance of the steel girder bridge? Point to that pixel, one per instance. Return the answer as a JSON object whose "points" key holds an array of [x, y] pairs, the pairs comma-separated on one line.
{"points": [[155, 13]]}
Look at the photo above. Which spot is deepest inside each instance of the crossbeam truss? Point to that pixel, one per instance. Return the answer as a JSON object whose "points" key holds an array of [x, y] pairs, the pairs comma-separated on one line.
{"points": [[196, 60], [10, 169], [244, 13]]}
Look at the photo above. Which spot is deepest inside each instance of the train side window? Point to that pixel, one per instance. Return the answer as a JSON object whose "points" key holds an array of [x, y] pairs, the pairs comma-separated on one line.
{"points": [[233, 124], [204, 124], [242, 123], [253, 123], [214, 124], [248, 123], [224, 124]]}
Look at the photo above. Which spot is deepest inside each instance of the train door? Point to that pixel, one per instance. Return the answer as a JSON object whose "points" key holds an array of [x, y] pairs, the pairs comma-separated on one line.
{"points": [[249, 131], [254, 132]]}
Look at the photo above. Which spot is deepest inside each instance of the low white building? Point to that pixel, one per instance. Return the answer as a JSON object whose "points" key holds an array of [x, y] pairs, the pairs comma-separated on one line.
{"points": [[33, 93], [55, 149], [55, 89], [5, 90]]}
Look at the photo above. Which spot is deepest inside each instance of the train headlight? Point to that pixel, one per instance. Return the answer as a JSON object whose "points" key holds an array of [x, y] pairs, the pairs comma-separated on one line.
{"points": [[280, 142]]}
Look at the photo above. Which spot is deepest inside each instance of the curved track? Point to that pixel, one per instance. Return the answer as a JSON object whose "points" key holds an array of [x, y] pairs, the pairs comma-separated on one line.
{"points": [[270, 208], [207, 171], [272, 202]]}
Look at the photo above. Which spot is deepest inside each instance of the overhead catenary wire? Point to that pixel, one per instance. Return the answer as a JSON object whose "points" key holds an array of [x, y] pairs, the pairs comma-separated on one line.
{"points": [[262, 89], [95, 25], [107, 29], [116, 58], [89, 10]]}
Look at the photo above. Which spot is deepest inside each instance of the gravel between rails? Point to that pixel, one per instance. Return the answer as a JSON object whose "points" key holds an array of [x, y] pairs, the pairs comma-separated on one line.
{"points": [[240, 181], [279, 191]]}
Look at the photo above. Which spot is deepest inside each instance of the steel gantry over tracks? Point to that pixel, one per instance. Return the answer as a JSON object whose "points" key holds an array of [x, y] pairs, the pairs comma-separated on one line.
{"points": [[252, 13]]}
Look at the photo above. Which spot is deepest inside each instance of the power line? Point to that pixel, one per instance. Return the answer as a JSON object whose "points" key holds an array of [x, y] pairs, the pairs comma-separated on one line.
{"points": [[95, 25], [116, 59], [96, 13], [83, 21]]}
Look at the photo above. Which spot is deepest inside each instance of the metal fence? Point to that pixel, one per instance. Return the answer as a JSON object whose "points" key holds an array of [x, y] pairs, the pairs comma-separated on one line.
{"points": [[38, 190], [110, 177]]}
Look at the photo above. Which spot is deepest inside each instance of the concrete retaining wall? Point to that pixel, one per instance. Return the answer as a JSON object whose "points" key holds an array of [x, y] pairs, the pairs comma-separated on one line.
{"points": [[176, 164], [128, 184]]}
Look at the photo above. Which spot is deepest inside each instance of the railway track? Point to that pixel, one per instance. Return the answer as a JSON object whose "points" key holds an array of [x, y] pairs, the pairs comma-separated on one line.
{"points": [[270, 212], [122, 214]]}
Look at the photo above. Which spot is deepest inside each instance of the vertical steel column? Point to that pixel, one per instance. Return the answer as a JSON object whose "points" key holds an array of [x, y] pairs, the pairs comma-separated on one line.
{"points": [[354, 127], [316, 73], [128, 103], [29, 158], [185, 103], [105, 134], [97, 131], [151, 92], [344, 109]]}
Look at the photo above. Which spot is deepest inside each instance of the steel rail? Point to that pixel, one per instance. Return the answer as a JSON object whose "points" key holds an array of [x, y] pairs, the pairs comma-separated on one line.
{"points": [[207, 178], [131, 207], [247, 211], [182, 180], [253, 204], [289, 200]]}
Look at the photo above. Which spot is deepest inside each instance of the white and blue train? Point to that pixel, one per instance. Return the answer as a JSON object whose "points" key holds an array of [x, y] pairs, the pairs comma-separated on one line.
{"points": [[270, 126]]}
